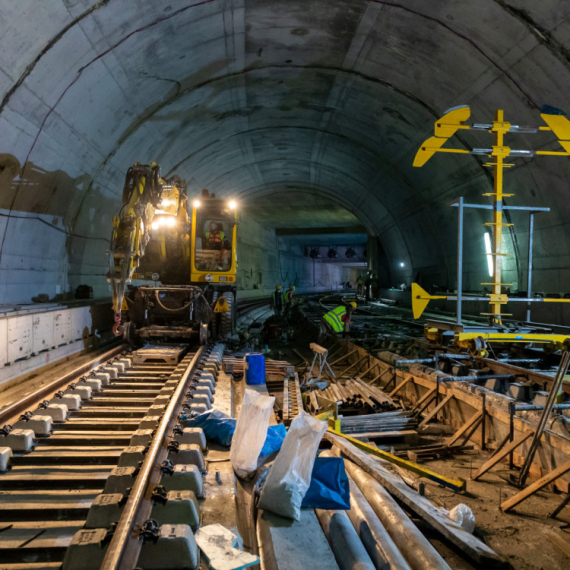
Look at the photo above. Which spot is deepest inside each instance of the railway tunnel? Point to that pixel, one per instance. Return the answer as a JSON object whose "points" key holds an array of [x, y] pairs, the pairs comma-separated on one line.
{"points": [[308, 117]]}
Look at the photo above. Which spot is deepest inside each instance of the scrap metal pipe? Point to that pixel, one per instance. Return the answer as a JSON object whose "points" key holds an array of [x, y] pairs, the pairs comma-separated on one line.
{"points": [[415, 547], [378, 543], [532, 408], [346, 545]]}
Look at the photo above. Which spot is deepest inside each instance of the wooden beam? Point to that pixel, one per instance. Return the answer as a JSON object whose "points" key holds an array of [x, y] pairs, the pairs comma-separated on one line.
{"points": [[343, 357], [339, 374], [425, 398], [400, 386], [558, 541], [536, 486], [502, 454], [436, 410], [473, 422]]}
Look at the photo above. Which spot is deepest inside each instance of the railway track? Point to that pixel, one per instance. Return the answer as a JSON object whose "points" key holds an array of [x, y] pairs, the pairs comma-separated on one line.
{"points": [[71, 477]]}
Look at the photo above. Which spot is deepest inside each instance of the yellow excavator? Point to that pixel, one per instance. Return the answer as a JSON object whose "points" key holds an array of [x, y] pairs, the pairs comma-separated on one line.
{"points": [[183, 260]]}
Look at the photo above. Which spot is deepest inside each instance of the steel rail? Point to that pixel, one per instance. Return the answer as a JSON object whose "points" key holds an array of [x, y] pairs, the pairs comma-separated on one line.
{"points": [[36, 397], [125, 546]]}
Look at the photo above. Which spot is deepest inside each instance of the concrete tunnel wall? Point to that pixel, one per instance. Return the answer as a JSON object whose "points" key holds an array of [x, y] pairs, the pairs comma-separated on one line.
{"points": [[246, 97]]}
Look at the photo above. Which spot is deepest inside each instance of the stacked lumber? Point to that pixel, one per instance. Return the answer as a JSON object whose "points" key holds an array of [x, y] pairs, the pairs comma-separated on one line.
{"points": [[372, 424]]}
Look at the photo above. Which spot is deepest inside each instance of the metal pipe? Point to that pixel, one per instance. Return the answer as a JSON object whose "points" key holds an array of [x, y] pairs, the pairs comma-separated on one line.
{"points": [[35, 398], [529, 275], [471, 378], [346, 545], [414, 546], [533, 408], [124, 548], [378, 543]]}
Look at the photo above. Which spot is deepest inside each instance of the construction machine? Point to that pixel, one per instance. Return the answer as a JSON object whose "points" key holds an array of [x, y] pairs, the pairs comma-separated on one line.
{"points": [[182, 257]]}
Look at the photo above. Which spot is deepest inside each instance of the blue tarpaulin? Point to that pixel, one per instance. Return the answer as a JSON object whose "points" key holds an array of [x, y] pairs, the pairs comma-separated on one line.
{"points": [[219, 428], [329, 488]]}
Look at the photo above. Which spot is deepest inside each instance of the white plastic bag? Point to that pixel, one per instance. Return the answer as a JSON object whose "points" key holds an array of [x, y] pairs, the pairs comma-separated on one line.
{"points": [[250, 433], [290, 475], [463, 516]]}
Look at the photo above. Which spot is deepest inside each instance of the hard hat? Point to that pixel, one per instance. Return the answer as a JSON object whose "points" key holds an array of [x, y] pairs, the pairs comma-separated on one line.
{"points": [[353, 304], [292, 287], [278, 287]]}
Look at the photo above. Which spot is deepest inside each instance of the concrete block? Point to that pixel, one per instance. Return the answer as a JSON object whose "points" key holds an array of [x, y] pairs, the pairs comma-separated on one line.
{"points": [[200, 399], [20, 440], [72, 401], [112, 371], [188, 454], [58, 412], [94, 383], [207, 383], [202, 391], [156, 410], [105, 377], [131, 456], [86, 550], [126, 362], [104, 511], [149, 422], [184, 478], [495, 384], [84, 392], [196, 409], [219, 547], [167, 391], [518, 391], [540, 398], [120, 479], [175, 549], [39, 424], [141, 437], [180, 507], [120, 366], [5, 455], [192, 435], [161, 400], [206, 376]]}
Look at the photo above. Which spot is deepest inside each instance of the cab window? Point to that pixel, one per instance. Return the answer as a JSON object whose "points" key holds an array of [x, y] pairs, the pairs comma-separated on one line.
{"points": [[213, 244]]}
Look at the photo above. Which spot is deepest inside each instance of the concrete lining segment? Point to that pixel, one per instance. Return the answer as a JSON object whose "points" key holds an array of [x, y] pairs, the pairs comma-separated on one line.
{"points": [[181, 81]]}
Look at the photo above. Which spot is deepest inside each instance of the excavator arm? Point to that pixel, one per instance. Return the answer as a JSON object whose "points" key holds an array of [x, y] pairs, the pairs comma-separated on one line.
{"points": [[142, 194]]}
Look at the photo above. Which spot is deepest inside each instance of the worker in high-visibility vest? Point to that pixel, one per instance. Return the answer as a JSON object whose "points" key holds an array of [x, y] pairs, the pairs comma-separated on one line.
{"points": [[288, 300], [337, 321], [277, 301]]}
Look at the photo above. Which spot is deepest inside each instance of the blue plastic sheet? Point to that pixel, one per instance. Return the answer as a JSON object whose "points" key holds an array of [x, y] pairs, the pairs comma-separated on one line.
{"points": [[219, 428], [329, 488]]}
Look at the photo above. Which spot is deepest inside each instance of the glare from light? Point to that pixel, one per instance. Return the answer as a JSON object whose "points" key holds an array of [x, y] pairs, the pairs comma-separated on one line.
{"points": [[154, 225], [196, 203], [232, 205], [170, 221], [401, 264], [489, 251]]}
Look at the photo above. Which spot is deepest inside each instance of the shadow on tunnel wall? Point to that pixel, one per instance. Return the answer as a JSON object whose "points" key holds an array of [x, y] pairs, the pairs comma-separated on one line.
{"points": [[56, 199]]}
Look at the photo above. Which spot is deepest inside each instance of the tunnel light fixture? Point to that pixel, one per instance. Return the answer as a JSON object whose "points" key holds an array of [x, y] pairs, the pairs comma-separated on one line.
{"points": [[154, 226], [232, 205], [489, 252], [401, 264], [196, 203]]}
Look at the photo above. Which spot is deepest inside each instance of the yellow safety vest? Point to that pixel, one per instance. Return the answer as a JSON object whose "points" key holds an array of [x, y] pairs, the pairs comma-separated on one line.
{"points": [[334, 318]]}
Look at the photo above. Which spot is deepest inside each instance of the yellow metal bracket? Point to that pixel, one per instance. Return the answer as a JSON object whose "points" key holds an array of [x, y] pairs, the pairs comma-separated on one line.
{"points": [[456, 485]]}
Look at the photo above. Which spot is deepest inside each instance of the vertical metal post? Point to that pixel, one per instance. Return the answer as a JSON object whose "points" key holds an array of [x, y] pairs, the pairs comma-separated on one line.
{"points": [[483, 429], [460, 260], [529, 276], [512, 431]]}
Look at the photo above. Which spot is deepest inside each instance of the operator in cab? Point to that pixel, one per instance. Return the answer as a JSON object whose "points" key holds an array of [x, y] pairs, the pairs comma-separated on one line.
{"points": [[214, 238]]}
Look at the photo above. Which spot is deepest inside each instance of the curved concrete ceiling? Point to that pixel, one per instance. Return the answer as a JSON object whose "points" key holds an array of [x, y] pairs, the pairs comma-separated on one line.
{"points": [[247, 98]]}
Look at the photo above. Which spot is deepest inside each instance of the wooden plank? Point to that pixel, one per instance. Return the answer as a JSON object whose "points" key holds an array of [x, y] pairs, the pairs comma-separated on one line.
{"points": [[477, 550], [536, 486], [436, 410], [471, 423], [502, 454], [399, 386], [429, 394]]}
